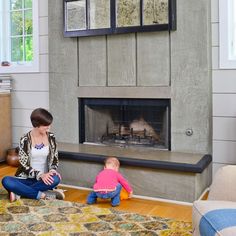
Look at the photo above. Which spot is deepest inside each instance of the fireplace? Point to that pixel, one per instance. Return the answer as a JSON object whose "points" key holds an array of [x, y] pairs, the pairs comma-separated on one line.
{"points": [[125, 122]]}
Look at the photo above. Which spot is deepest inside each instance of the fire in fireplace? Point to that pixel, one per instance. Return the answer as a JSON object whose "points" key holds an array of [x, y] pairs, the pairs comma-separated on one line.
{"points": [[125, 122]]}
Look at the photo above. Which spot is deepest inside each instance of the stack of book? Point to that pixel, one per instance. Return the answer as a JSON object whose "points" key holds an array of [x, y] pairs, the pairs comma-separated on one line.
{"points": [[5, 84]]}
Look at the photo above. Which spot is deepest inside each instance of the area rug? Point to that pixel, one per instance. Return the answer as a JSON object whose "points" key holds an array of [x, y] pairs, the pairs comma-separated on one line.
{"points": [[28, 217]]}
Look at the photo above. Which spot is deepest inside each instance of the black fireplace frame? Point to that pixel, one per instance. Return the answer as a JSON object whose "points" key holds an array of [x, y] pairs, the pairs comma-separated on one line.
{"points": [[82, 102]]}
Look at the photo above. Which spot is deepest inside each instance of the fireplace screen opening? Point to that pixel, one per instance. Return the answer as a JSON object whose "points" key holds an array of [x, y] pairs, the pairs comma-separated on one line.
{"points": [[125, 122]]}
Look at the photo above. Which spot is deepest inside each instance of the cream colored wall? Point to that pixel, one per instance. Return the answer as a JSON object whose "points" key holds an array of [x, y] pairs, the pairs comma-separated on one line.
{"points": [[31, 90], [224, 102]]}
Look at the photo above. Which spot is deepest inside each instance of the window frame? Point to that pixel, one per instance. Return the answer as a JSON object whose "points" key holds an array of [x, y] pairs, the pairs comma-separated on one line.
{"points": [[26, 67], [226, 61]]}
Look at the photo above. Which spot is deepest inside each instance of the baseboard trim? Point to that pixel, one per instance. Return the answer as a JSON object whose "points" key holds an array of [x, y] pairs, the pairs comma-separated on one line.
{"points": [[137, 196], [204, 194]]}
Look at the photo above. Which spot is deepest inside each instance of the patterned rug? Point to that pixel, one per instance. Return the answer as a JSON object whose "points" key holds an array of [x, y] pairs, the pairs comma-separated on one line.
{"points": [[27, 217]]}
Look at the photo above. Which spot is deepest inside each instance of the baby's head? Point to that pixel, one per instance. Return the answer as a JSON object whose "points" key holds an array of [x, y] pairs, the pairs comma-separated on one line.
{"points": [[112, 163]]}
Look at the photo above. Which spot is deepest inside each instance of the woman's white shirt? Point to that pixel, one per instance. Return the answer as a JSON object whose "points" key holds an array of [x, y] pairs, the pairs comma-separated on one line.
{"points": [[39, 159]]}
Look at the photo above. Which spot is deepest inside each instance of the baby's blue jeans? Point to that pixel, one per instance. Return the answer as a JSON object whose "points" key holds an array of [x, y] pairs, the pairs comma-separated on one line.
{"points": [[114, 195]]}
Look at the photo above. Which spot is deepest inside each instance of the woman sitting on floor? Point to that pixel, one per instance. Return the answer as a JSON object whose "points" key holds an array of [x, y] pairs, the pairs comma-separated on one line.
{"points": [[38, 157]]}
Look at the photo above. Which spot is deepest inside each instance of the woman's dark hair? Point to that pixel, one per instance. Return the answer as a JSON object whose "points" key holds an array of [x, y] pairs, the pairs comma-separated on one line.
{"points": [[41, 117]]}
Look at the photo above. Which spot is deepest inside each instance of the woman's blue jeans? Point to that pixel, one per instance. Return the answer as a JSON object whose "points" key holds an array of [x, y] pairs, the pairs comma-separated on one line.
{"points": [[114, 195], [29, 188]]}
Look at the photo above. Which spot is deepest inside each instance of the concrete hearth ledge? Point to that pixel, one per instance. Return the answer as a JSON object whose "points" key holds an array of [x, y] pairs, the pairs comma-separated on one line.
{"points": [[139, 157], [151, 173]]}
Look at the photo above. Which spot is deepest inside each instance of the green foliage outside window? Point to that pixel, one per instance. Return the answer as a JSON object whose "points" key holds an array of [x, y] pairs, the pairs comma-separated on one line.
{"points": [[29, 49], [17, 49], [16, 4], [21, 30]]}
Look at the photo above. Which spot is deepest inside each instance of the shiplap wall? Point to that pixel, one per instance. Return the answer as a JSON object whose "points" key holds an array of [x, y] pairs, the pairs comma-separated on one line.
{"points": [[31, 90], [224, 102]]}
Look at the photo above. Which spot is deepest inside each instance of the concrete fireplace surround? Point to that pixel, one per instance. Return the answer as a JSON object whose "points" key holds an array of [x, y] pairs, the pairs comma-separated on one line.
{"points": [[175, 65]]}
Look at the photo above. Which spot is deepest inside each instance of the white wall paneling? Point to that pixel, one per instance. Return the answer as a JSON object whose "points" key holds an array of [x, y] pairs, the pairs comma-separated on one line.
{"points": [[224, 81], [18, 132], [43, 26], [224, 128], [30, 100], [30, 82], [43, 63], [215, 34], [21, 117], [215, 58], [224, 105], [43, 8], [43, 44], [224, 151], [224, 102]]}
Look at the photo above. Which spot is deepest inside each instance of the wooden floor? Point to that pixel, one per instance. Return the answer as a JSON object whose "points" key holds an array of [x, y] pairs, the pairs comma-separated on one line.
{"points": [[146, 207]]}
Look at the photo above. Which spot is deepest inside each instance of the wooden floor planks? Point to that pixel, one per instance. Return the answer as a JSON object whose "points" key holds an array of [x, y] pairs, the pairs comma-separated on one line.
{"points": [[141, 206]]}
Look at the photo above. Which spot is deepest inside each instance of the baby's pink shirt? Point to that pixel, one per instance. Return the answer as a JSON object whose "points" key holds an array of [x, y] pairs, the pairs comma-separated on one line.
{"points": [[108, 179]]}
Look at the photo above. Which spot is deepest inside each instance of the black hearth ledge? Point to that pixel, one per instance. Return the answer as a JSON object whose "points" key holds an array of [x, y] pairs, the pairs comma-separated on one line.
{"points": [[125, 161]]}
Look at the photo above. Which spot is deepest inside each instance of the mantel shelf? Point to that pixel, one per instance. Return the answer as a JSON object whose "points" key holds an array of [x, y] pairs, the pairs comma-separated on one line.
{"points": [[125, 92]]}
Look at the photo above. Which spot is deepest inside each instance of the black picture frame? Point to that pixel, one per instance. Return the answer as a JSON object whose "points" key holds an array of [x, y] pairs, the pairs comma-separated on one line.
{"points": [[78, 22]]}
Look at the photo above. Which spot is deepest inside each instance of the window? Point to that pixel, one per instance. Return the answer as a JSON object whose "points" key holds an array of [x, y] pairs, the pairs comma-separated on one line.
{"points": [[19, 36], [93, 17], [227, 31]]}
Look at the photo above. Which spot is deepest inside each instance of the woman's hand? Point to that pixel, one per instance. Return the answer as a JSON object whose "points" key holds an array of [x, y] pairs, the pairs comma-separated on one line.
{"points": [[47, 178], [55, 173]]}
